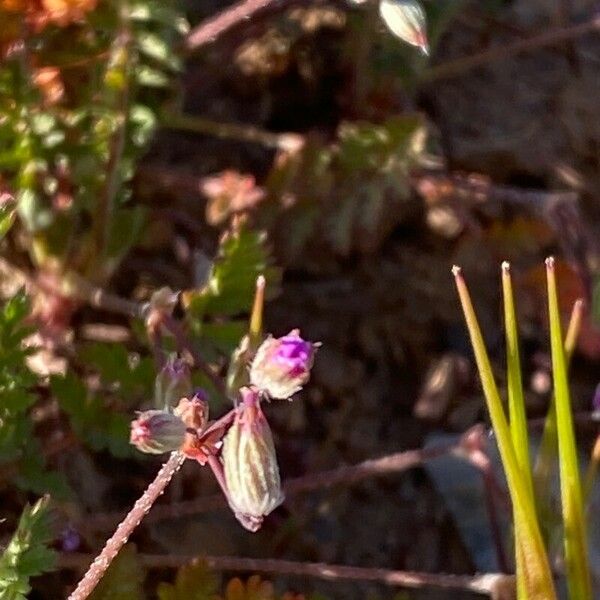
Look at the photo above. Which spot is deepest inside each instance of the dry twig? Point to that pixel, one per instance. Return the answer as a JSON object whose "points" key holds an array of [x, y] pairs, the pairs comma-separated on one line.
{"points": [[496, 585], [347, 475], [553, 37]]}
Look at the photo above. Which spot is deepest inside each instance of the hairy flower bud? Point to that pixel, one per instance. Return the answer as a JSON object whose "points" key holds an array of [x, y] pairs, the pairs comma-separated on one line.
{"points": [[157, 431], [406, 19], [282, 365], [172, 383], [250, 464], [194, 413]]}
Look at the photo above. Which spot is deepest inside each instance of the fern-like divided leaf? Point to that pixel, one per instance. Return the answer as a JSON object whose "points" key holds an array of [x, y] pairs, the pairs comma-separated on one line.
{"points": [[27, 553], [243, 255], [99, 427], [345, 197]]}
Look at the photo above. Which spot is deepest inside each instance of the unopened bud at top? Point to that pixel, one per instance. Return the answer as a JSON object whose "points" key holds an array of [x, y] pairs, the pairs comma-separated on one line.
{"points": [[406, 19], [157, 431], [172, 383], [282, 365], [250, 464]]}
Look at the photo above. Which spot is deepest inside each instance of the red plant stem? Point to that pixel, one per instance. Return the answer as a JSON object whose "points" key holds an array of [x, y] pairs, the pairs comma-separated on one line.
{"points": [[207, 31], [98, 567], [495, 584], [347, 475]]}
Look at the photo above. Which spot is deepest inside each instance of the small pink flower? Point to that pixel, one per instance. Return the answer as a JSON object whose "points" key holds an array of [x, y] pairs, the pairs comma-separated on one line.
{"points": [[282, 365]]}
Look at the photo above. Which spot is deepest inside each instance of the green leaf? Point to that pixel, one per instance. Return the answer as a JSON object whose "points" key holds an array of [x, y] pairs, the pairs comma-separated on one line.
{"points": [[575, 532], [157, 48], [193, 582], [27, 553], [100, 427], [126, 227], [148, 77], [131, 377], [516, 400], [158, 12], [33, 475], [243, 255], [34, 214], [517, 416], [7, 218], [538, 582], [547, 457], [124, 578]]}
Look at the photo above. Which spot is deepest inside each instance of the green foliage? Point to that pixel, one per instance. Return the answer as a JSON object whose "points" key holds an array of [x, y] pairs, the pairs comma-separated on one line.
{"points": [[101, 418], [17, 442], [91, 419], [243, 255], [347, 196], [533, 575], [131, 376], [27, 553], [76, 116], [516, 411], [535, 581], [575, 530], [124, 578]]}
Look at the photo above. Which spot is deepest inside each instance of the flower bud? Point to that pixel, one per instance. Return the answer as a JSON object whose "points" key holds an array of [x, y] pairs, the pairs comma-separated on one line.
{"points": [[157, 431], [250, 464], [172, 383], [406, 19], [194, 414], [282, 365]]}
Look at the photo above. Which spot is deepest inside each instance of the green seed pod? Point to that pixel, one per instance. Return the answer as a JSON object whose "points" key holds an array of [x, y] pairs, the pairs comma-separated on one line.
{"points": [[407, 20], [157, 431], [250, 464]]}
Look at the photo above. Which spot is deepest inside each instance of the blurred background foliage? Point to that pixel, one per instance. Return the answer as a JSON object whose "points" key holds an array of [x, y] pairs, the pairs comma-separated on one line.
{"points": [[310, 145]]}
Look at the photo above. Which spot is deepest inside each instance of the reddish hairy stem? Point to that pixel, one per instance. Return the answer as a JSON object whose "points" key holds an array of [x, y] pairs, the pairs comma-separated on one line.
{"points": [[98, 567], [494, 584], [347, 475], [207, 31]]}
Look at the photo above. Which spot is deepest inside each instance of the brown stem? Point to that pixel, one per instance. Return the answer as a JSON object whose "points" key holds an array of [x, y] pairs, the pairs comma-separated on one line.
{"points": [[497, 585], [348, 475], [233, 131], [119, 538], [553, 37], [78, 287]]}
